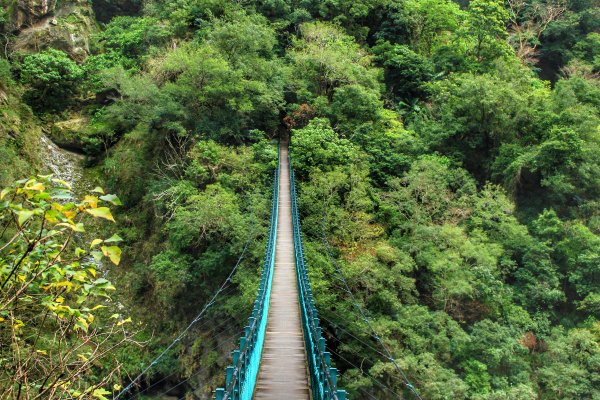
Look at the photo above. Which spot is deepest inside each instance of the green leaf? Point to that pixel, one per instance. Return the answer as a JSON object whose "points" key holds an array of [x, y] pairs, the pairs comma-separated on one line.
{"points": [[98, 189], [102, 283], [3, 193], [114, 239], [95, 243], [97, 255], [100, 212], [112, 252], [111, 198], [61, 194], [74, 227], [24, 215]]}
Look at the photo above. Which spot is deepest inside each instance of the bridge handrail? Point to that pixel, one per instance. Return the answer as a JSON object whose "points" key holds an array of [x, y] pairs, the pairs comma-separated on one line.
{"points": [[323, 378], [240, 376]]}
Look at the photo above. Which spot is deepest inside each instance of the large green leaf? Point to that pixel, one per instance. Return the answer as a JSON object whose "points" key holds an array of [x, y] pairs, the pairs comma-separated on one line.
{"points": [[112, 252]]}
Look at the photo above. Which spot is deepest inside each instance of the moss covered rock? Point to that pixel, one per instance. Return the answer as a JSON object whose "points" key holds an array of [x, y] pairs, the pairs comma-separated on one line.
{"points": [[67, 134]]}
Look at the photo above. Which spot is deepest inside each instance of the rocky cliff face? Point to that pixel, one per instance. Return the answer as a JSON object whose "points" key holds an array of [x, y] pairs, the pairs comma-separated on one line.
{"points": [[40, 24], [29, 12]]}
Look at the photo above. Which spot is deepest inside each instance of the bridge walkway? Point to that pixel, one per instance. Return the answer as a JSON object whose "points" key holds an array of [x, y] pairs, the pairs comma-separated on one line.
{"points": [[283, 366]]}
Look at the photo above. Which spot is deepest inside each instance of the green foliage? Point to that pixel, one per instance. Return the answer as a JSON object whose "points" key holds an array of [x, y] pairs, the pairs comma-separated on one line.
{"points": [[473, 115], [132, 38], [459, 191], [568, 366], [187, 16], [52, 78], [221, 100], [354, 104], [317, 146], [96, 65], [52, 330], [477, 377], [486, 27], [326, 58], [424, 25], [406, 72], [5, 74], [241, 36]]}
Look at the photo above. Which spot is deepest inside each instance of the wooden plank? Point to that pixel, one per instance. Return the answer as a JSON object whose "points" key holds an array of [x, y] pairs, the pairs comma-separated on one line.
{"points": [[283, 369]]}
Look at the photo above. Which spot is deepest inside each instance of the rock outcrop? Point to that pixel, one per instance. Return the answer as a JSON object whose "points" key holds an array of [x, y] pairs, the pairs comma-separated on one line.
{"points": [[66, 25], [30, 12], [67, 134]]}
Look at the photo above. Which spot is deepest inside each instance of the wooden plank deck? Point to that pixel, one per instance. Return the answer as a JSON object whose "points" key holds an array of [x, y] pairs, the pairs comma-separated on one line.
{"points": [[283, 368]]}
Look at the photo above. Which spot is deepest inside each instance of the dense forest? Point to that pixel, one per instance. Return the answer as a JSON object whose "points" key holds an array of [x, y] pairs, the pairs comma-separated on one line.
{"points": [[448, 157]]}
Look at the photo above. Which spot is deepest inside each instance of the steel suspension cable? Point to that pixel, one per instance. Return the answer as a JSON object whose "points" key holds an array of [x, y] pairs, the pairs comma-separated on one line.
{"points": [[194, 321], [336, 325], [366, 319], [196, 373], [164, 378], [367, 374]]}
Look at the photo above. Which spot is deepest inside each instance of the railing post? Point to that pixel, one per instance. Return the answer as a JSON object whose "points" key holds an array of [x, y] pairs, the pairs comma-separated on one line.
{"points": [[229, 375]]}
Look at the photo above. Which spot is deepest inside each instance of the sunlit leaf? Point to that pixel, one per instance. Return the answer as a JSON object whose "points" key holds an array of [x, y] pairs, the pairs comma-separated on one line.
{"points": [[111, 198], [37, 186], [82, 324], [24, 215], [99, 394], [62, 194], [70, 214], [101, 212], [98, 189], [125, 321], [52, 216], [95, 242], [112, 252], [42, 196], [79, 227], [92, 201]]}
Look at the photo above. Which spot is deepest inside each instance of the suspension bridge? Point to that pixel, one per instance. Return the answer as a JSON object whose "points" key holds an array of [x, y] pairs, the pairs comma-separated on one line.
{"points": [[282, 353]]}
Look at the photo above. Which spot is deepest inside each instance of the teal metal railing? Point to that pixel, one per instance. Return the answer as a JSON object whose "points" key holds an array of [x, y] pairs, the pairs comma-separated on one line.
{"points": [[323, 378], [240, 376]]}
